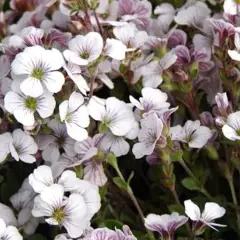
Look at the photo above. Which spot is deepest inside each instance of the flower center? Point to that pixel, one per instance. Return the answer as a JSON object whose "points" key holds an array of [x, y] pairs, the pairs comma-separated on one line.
{"points": [[84, 55], [58, 215], [30, 103], [37, 73], [238, 132], [237, 1]]}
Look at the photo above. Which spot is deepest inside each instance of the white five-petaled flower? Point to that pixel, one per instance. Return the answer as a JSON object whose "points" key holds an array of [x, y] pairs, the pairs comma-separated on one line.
{"points": [[84, 49], [75, 115], [211, 212], [38, 68], [23, 107], [192, 133], [151, 100], [149, 134], [9, 232], [165, 224], [113, 114], [20, 145], [69, 212], [231, 129]]}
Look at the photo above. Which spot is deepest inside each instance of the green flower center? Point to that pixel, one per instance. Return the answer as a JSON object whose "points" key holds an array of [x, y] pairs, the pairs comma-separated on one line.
{"points": [[30, 103], [37, 73], [237, 1], [238, 132], [84, 55], [58, 215]]}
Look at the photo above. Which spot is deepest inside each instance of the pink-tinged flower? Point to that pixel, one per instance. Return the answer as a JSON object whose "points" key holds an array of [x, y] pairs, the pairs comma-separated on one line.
{"points": [[165, 224], [138, 12], [224, 107], [107, 234], [149, 134], [28, 36], [192, 133], [211, 212], [177, 37], [222, 30]]}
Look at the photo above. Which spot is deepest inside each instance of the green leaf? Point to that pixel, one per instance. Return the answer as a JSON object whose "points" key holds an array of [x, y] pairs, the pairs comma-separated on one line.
{"points": [[120, 183], [112, 224], [190, 184]]}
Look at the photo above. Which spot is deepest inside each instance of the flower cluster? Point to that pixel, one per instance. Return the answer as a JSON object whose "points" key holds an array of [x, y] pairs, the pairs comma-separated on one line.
{"points": [[108, 108]]}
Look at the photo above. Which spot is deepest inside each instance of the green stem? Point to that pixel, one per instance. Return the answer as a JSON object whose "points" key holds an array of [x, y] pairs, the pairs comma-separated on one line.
{"points": [[234, 197], [134, 200], [176, 198]]}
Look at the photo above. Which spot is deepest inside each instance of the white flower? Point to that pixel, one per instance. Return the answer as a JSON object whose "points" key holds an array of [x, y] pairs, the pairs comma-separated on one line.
{"points": [[115, 49], [74, 72], [69, 212], [20, 145], [152, 72], [130, 36], [193, 14], [165, 224], [51, 144], [74, 114], [9, 232], [7, 215], [211, 212], [231, 7], [231, 128], [149, 134], [84, 49], [234, 54], [113, 114], [192, 133], [41, 178], [151, 100], [23, 107], [37, 67]]}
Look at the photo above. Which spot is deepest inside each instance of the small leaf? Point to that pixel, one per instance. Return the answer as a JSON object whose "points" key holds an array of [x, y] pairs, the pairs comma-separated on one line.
{"points": [[130, 177], [190, 184], [120, 183]]}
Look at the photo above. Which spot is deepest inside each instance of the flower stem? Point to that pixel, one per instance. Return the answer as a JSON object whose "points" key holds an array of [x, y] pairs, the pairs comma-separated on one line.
{"points": [[176, 198], [234, 197], [134, 200]]}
